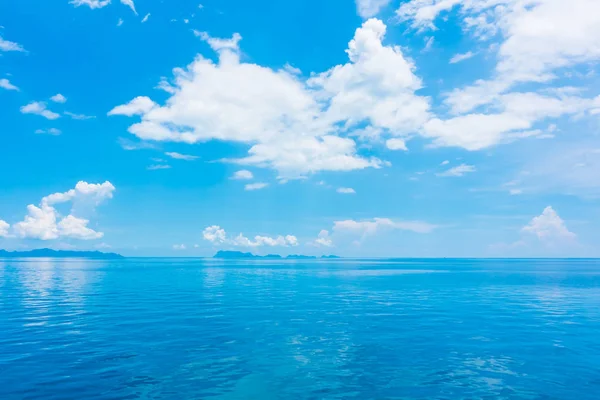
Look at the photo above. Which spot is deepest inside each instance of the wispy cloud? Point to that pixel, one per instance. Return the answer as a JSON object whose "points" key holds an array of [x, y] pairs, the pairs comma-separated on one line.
{"points": [[458, 171], [461, 57], [39, 108], [79, 116], [255, 186], [7, 45], [5, 84], [155, 167], [179, 156]]}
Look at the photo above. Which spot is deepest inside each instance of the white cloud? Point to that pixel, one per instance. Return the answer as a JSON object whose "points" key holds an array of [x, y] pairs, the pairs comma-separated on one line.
{"points": [[6, 45], [44, 222], [130, 4], [4, 227], [217, 236], [51, 131], [58, 98], [548, 226], [537, 40], [179, 247], [146, 18], [458, 170], [155, 167], [344, 190], [461, 57], [218, 44], [445, 162], [512, 116], [370, 8], [255, 186], [138, 106], [370, 227], [514, 192], [396, 144], [120, 22], [323, 239], [539, 37], [39, 108], [293, 124], [90, 3], [78, 116], [5, 84], [243, 174], [40, 223], [428, 44], [179, 156], [299, 156], [76, 228]]}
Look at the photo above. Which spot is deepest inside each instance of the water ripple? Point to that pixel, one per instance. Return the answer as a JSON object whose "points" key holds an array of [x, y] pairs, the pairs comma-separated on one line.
{"points": [[359, 329]]}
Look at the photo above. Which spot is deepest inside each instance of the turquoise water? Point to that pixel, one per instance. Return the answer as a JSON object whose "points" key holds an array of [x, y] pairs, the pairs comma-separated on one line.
{"points": [[206, 329]]}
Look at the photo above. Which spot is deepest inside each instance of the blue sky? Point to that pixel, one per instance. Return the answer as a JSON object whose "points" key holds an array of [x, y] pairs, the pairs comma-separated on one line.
{"points": [[377, 128]]}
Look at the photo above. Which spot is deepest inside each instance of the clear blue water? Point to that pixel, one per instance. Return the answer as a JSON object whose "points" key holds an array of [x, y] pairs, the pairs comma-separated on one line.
{"points": [[204, 329]]}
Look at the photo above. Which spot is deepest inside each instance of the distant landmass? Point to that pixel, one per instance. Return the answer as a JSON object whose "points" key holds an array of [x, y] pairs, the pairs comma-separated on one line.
{"points": [[230, 255], [59, 254]]}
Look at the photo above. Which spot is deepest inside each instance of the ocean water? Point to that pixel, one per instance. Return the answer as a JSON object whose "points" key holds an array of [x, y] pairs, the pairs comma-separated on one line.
{"points": [[378, 329]]}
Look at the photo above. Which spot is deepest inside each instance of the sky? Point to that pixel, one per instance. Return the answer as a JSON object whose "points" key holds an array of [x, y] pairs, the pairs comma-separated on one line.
{"points": [[375, 128]]}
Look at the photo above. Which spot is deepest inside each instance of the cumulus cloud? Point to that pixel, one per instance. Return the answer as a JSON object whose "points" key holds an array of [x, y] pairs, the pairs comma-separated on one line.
{"points": [[294, 125], [217, 236], [179, 156], [255, 186], [138, 106], [76, 228], [145, 18], [460, 170], [4, 227], [323, 239], [179, 247], [549, 227], [370, 8], [5, 84], [243, 174], [537, 38], [7, 45], [370, 227], [344, 190], [396, 144], [44, 222], [39, 108], [58, 98]]}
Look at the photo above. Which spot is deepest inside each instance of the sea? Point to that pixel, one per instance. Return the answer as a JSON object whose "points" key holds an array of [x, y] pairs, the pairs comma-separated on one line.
{"points": [[160, 328]]}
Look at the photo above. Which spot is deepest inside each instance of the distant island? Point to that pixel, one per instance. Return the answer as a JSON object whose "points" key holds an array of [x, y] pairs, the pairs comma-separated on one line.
{"points": [[38, 253], [234, 255]]}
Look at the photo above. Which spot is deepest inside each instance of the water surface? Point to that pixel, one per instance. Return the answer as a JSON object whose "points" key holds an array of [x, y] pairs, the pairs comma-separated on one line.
{"points": [[380, 329]]}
